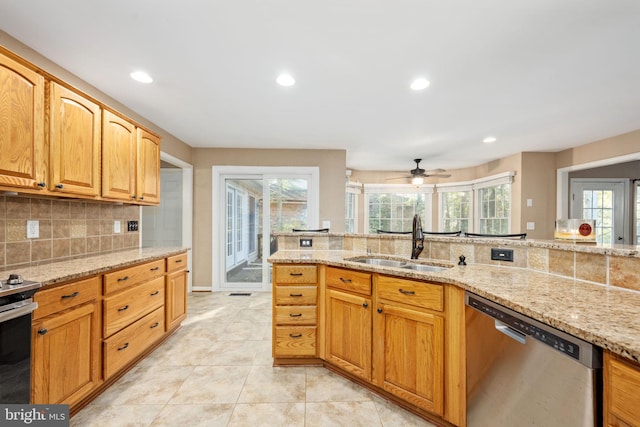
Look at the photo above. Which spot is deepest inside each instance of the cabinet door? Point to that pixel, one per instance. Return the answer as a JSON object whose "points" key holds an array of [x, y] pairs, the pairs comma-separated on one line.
{"points": [[621, 392], [176, 299], [408, 356], [118, 157], [75, 143], [348, 332], [22, 162], [148, 171], [66, 355]]}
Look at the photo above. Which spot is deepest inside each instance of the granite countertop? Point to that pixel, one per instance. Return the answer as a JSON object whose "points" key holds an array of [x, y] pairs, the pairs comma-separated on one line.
{"points": [[603, 315], [64, 271]]}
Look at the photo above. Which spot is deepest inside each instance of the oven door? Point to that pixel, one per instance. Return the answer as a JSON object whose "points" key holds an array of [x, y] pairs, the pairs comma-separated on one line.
{"points": [[15, 354]]}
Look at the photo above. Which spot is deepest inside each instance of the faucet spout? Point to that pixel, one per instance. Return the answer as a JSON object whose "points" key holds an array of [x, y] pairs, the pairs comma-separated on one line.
{"points": [[417, 237]]}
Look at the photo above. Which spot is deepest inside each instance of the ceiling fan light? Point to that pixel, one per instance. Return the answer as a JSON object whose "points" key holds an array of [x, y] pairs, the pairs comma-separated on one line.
{"points": [[417, 180]]}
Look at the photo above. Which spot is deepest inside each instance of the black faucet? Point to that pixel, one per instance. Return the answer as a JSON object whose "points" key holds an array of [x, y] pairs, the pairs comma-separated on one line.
{"points": [[417, 237]]}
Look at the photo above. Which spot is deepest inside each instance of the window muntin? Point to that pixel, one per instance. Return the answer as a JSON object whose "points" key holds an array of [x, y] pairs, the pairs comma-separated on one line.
{"points": [[394, 211], [455, 211], [494, 209]]}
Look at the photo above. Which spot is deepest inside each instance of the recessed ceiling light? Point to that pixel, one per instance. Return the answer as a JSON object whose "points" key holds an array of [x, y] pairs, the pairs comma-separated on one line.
{"points": [[489, 139], [420, 84], [285, 79], [141, 76]]}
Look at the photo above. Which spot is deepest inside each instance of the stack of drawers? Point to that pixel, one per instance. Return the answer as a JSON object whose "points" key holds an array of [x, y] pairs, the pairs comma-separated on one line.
{"points": [[133, 309], [295, 311]]}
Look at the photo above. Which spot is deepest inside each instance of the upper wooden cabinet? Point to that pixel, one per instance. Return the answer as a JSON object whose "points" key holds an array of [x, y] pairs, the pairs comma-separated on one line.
{"points": [[118, 157], [22, 163], [75, 138], [148, 170]]}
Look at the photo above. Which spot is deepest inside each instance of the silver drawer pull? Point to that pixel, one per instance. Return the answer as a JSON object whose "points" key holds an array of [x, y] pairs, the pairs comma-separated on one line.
{"points": [[407, 292]]}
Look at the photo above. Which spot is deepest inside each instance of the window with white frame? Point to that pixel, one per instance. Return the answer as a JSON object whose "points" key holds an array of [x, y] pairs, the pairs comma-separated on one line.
{"points": [[481, 206], [353, 191], [391, 207], [456, 209], [637, 213]]}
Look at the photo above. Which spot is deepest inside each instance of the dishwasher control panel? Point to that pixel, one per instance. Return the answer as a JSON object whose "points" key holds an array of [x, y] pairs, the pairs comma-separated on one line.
{"points": [[527, 327]]}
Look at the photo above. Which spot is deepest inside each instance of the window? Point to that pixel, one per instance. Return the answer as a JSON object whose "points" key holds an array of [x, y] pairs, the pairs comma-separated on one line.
{"points": [[494, 209], [351, 207], [637, 214], [392, 207], [455, 211]]}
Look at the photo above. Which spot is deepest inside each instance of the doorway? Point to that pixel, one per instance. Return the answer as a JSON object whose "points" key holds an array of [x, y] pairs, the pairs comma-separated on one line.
{"points": [[253, 206], [604, 201]]}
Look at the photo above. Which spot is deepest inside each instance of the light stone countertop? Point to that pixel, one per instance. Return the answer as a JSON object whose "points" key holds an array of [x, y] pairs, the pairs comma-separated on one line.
{"points": [[64, 271], [603, 315]]}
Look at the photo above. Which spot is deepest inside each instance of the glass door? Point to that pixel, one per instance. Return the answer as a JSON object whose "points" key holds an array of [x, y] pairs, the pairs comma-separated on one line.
{"points": [[605, 202]]}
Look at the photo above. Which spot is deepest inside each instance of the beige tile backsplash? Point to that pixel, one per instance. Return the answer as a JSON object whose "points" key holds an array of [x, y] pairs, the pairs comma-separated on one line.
{"points": [[67, 228]]}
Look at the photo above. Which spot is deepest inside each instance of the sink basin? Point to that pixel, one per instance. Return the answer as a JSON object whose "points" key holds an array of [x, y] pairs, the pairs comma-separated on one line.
{"points": [[424, 267], [381, 261]]}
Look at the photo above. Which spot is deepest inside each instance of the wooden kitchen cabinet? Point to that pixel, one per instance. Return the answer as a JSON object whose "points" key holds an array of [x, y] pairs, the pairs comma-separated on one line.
{"points": [[294, 313], [408, 332], [66, 360], [148, 168], [621, 391], [23, 159], [119, 146], [348, 321], [75, 143], [176, 291]]}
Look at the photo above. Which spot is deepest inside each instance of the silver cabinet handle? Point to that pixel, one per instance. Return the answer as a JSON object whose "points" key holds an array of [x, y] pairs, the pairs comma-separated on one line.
{"points": [[511, 333]]}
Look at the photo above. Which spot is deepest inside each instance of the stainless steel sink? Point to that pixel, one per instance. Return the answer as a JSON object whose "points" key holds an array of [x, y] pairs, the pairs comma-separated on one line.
{"points": [[424, 267], [381, 261], [400, 264]]}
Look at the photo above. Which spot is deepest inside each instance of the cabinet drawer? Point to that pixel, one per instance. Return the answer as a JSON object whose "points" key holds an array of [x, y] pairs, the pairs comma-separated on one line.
{"points": [[296, 295], [125, 307], [295, 341], [419, 294], [296, 315], [623, 391], [128, 277], [66, 296], [296, 274], [176, 262], [348, 280], [127, 344]]}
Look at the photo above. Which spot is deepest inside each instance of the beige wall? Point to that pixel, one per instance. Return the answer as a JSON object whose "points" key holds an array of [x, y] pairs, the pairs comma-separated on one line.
{"points": [[538, 183], [332, 166], [615, 146]]}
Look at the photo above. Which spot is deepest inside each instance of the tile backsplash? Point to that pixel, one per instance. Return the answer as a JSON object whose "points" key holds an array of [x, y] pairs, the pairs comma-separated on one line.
{"points": [[67, 229]]}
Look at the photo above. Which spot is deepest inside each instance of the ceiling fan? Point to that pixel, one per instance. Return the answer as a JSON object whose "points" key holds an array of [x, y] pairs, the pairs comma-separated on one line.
{"points": [[418, 174]]}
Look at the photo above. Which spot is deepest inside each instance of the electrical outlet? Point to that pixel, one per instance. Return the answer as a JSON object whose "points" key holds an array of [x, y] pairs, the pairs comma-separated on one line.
{"points": [[502, 254], [132, 225], [116, 227], [306, 243], [33, 229]]}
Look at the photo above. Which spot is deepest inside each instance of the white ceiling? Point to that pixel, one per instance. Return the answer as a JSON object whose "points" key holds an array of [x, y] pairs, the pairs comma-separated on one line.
{"points": [[538, 75]]}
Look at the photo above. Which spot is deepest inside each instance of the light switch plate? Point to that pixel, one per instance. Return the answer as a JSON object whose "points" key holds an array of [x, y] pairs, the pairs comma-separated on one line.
{"points": [[116, 227], [326, 223], [531, 225]]}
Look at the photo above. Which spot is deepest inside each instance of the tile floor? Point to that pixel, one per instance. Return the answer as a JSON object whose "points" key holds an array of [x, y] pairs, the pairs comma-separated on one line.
{"points": [[216, 370]]}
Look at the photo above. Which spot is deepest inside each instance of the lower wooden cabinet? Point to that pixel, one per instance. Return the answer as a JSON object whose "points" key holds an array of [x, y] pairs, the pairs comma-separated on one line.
{"points": [[129, 343], [66, 358], [348, 332], [409, 355], [176, 299], [621, 392]]}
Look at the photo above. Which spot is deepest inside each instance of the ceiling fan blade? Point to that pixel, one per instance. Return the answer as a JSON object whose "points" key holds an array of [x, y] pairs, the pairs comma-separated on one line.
{"points": [[440, 175], [400, 177], [432, 171]]}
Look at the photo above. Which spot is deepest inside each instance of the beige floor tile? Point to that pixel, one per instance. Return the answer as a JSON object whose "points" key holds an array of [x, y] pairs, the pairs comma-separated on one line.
{"points": [[263, 353], [347, 414], [325, 386], [116, 415], [212, 384], [232, 353], [245, 330], [217, 415], [392, 415], [268, 415]]}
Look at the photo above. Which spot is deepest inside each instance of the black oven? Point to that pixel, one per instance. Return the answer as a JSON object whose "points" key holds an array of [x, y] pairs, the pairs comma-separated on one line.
{"points": [[16, 308]]}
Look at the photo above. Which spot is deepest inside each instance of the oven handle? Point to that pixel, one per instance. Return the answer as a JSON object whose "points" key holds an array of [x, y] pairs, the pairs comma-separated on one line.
{"points": [[17, 312]]}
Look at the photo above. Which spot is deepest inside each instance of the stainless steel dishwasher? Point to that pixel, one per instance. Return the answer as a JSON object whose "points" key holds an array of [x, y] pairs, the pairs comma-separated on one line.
{"points": [[521, 372]]}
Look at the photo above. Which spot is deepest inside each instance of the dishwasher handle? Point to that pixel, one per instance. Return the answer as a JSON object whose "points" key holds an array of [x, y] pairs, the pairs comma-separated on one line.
{"points": [[510, 332]]}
